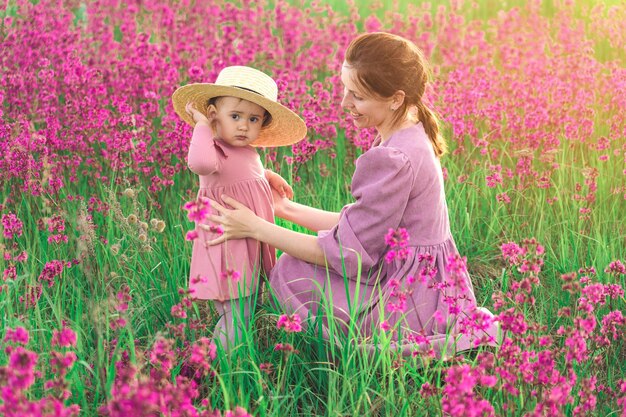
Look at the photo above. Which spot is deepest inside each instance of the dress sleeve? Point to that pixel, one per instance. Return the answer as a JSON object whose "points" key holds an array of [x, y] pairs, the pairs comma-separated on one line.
{"points": [[205, 155], [381, 185]]}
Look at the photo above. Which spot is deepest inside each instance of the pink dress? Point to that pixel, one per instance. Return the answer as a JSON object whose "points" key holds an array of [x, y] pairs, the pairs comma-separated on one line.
{"points": [[238, 173], [396, 184]]}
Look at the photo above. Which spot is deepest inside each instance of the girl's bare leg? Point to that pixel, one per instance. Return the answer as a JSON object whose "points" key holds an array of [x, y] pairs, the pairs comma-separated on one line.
{"points": [[234, 314]]}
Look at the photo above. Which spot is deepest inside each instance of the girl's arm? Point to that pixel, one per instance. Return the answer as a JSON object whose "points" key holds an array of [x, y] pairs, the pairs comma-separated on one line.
{"points": [[241, 222], [202, 158]]}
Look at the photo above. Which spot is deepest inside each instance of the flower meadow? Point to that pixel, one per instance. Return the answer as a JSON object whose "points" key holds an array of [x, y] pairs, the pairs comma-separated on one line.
{"points": [[96, 204]]}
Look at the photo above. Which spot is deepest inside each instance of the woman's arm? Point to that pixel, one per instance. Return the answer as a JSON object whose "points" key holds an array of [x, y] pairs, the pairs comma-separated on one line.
{"points": [[241, 222], [298, 245], [305, 216], [312, 218]]}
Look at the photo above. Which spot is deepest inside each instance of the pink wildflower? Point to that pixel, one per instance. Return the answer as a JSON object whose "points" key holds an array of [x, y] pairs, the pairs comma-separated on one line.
{"points": [[266, 368], [203, 351], [616, 267], [12, 226], [178, 311], [237, 412], [51, 270], [285, 347], [230, 274], [291, 324], [197, 210], [21, 367], [216, 228], [611, 322], [512, 252], [66, 337], [398, 241], [19, 335]]}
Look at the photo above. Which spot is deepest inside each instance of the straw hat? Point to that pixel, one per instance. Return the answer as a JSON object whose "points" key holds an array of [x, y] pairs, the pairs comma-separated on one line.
{"points": [[249, 84]]}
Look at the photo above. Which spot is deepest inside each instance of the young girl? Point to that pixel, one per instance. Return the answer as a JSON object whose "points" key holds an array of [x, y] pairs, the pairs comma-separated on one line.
{"points": [[231, 117]]}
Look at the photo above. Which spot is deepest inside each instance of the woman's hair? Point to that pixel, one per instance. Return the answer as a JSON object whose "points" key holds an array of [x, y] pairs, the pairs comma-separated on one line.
{"points": [[267, 117], [386, 63]]}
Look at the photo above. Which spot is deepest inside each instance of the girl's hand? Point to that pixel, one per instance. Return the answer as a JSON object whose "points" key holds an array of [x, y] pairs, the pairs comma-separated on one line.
{"points": [[280, 204], [238, 223], [196, 115], [279, 186]]}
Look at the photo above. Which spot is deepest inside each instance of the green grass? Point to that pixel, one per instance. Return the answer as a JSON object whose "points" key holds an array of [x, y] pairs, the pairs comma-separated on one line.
{"points": [[322, 379]]}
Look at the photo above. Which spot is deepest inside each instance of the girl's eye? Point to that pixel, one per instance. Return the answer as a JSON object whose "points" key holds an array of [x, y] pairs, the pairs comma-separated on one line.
{"points": [[254, 119], [234, 116], [357, 97]]}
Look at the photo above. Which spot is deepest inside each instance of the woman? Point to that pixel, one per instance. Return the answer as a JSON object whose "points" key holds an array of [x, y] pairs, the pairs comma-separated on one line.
{"points": [[422, 291]]}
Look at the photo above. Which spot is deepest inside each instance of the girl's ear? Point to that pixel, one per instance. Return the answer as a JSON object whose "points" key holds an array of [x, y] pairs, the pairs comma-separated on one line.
{"points": [[211, 111]]}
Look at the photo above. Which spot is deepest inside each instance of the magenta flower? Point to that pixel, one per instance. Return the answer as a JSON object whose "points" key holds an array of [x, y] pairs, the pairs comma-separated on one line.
{"points": [[266, 367], [385, 326], [495, 178], [285, 347], [66, 337], [614, 324], [21, 368], [203, 352], [291, 324], [616, 267], [18, 335], [50, 271], [399, 305], [191, 235], [230, 274], [198, 210], [12, 226], [237, 412], [459, 396], [123, 298], [397, 238], [9, 273], [178, 311], [512, 252], [398, 241], [622, 399], [216, 228]]}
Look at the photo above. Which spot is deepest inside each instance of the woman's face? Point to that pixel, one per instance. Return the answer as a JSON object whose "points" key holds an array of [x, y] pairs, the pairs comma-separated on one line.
{"points": [[366, 110]]}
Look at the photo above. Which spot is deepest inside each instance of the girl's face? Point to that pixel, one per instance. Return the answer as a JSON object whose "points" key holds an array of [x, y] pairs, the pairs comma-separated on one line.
{"points": [[238, 122], [366, 110]]}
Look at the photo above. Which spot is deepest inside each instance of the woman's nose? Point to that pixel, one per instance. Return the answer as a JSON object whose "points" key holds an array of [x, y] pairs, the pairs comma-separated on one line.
{"points": [[345, 103]]}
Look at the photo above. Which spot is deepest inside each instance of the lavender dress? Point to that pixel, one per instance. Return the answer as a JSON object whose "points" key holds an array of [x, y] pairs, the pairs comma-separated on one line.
{"points": [[396, 184]]}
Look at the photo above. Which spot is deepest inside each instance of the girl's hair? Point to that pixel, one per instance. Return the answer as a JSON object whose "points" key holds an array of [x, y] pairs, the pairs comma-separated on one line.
{"points": [[267, 117], [386, 63]]}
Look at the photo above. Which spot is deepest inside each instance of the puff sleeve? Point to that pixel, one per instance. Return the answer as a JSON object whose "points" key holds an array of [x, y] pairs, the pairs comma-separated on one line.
{"points": [[381, 185], [205, 155]]}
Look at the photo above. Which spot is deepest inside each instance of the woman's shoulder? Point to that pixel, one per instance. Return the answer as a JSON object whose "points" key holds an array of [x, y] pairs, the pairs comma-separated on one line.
{"points": [[414, 136], [383, 162], [412, 142]]}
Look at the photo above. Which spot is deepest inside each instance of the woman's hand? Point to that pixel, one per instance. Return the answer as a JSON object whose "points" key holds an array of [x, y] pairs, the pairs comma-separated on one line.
{"points": [[278, 184], [238, 223]]}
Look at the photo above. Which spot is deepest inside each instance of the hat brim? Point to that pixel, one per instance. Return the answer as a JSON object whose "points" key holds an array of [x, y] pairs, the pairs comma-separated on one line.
{"points": [[285, 129]]}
